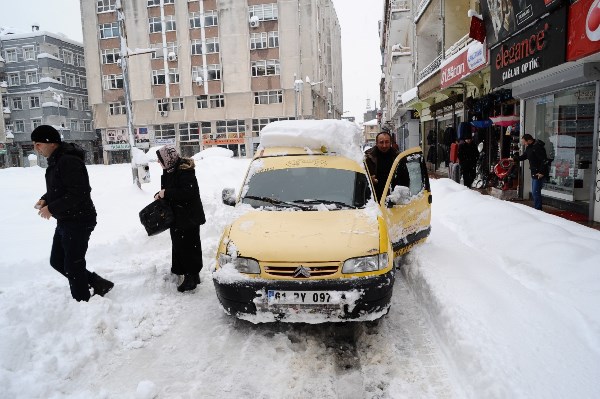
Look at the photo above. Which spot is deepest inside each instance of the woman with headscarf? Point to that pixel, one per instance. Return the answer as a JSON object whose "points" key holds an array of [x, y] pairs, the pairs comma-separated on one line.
{"points": [[179, 187]]}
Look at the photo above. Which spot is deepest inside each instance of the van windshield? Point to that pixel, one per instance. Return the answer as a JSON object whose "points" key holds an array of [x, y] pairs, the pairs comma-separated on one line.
{"points": [[305, 188]]}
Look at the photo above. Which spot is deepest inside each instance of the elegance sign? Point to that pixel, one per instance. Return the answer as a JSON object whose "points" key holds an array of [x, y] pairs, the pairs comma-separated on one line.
{"points": [[537, 48], [584, 29], [470, 59]]}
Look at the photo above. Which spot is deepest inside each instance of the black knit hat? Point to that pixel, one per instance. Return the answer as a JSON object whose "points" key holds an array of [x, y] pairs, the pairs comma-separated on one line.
{"points": [[45, 134]]}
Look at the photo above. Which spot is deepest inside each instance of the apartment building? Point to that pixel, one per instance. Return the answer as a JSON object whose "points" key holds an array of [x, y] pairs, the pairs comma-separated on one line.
{"points": [[42, 81], [206, 73]]}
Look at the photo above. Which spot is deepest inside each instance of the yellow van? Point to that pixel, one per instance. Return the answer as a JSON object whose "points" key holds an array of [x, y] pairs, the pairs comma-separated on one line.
{"points": [[309, 243]]}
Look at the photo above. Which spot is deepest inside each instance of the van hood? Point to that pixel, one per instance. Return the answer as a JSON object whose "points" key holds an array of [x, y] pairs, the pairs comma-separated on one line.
{"points": [[310, 236]]}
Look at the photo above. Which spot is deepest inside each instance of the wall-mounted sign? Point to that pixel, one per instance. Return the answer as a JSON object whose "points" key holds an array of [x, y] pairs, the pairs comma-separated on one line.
{"points": [[158, 141], [142, 137], [584, 29], [470, 59], [537, 48], [116, 147], [223, 141], [504, 17]]}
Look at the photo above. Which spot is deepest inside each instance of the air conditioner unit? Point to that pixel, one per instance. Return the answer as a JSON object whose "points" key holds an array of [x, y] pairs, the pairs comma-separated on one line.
{"points": [[172, 56], [199, 81], [254, 22], [164, 113]]}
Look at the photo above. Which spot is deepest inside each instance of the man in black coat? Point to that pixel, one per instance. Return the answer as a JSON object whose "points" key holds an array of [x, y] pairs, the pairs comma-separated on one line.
{"points": [[467, 159], [535, 152], [179, 187], [379, 160], [68, 200]]}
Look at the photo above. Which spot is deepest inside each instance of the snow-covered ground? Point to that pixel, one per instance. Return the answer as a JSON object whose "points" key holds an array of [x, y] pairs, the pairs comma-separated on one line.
{"points": [[500, 302]]}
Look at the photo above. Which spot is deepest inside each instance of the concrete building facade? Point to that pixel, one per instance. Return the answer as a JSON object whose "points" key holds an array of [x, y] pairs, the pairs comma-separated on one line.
{"points": [[206, 73], [43, 81]]}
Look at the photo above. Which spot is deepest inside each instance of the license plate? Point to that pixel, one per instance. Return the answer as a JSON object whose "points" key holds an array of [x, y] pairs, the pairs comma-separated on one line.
{"points": [[302, 297]]}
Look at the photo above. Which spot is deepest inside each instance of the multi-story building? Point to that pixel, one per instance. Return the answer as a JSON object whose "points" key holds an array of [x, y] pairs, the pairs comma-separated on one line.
{"points": [[45, 81], [205, 73]]}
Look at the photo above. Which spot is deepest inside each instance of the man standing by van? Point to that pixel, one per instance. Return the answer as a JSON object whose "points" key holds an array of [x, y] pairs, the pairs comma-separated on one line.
{"points": [[379, 160], [68, 200]]}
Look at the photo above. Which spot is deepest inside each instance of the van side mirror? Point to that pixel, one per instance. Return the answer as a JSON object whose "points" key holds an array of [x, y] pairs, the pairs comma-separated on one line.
{"points": [[228, 196]]}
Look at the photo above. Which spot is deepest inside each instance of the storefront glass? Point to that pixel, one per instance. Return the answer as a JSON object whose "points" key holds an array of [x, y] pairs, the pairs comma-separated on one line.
{"points": [[565, 122]]}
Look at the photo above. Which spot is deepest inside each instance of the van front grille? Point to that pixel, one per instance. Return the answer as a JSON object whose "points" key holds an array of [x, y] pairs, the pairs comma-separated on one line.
{"points": [[302, 271]]}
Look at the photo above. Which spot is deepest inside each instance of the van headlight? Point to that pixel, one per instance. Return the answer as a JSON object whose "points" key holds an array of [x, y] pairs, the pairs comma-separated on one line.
{"points": [[365, 264], [241, 264]]}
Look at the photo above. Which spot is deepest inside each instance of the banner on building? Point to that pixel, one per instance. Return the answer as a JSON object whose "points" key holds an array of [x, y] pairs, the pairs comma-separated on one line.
{"points": [[504, 17], [584, 29], [470, 59], [223, 141], [142, 137], [537, 48], [164, 141], [116, 140]]}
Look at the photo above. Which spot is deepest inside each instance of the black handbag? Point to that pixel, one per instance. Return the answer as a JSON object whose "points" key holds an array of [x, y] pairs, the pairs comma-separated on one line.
{"points": [[157, 217]]}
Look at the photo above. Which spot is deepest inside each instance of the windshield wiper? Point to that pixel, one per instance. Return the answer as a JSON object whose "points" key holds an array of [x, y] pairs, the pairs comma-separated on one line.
{"points": [[274, 201], [326, 202]]}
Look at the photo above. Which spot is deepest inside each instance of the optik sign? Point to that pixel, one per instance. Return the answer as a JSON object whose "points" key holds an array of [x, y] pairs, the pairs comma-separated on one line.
{"points": [[536, 49]]}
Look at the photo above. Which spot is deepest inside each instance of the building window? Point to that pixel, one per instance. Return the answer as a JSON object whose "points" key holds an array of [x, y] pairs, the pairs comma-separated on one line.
{"points": [[177, 104], [210, 19], [258, 40], [164, 132], [170, 23], [273, 39], [268, 97], [233, 129], [217, 101], [34, 102], [163, 52], [117, 108], [87, 126], [213, 72], [35, 123], [265, 68], [68, 57], [16, 103], [163, 104], [14, 79], [264, 12], [212, 45], [202, 101], [196, 47], [74, 125], [82, 82], [31, 77], [158, 76], [105, 5], [189, 132], [10, 55], [70, 80], [19, 126], [28, 52], [71, 103], [110, 56], [155, 24], [109, 30], [85, 106], [110, 82], [79, 60], [156, 3]]}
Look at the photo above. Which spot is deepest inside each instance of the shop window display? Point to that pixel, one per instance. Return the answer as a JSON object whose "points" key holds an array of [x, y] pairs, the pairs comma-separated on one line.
{"points": [[565, 122]]}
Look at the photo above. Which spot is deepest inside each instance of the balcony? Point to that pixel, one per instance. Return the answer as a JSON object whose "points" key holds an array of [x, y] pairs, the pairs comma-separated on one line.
{"points": [[421, 9], [459, 45], [400, 5], [3, 87], [430, 69]]}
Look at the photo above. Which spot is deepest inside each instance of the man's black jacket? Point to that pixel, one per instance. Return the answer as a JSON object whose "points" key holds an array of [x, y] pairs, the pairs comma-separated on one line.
{"points": [[68, 191], [536, 154]]}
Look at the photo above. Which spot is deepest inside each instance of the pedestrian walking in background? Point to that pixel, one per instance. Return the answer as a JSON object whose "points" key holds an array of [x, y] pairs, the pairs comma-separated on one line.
{"points": [[379, 160], [467, 159], [68, 200], [535, 152], [179, 187]]}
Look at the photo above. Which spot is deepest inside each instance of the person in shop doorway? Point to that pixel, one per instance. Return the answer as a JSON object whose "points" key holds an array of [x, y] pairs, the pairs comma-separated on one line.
{"points": [[535, 152], [467, 159], [379, 160], [68, 200], [179, 187]]}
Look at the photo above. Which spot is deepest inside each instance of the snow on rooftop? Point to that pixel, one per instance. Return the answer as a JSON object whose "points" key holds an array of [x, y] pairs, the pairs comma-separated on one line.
{"points": [[339, 136], [409, 95], [9, 33], [47, 55]]}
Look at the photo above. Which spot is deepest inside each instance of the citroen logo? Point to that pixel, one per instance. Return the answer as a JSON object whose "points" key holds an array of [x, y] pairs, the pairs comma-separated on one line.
{"points": [[302, 271]]}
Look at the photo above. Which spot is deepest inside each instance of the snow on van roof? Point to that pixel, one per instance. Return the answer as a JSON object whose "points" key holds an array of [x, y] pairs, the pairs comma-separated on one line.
{"points": [[339, 136]]}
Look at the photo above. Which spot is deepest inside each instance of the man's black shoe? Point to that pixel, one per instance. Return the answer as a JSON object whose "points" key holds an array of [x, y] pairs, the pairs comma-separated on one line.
{"points": [[101, 286], [190, 281]]}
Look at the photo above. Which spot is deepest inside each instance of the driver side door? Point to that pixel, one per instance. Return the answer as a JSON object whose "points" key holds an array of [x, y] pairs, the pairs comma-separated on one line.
{"points": [[406, 201]]}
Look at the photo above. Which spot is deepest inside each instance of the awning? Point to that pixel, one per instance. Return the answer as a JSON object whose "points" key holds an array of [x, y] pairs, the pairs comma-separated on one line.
{"points": [[482, 124], [505, 120]]}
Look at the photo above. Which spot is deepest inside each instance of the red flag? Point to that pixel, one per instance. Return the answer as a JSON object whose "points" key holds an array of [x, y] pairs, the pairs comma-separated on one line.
{"points": [[477, 30]]}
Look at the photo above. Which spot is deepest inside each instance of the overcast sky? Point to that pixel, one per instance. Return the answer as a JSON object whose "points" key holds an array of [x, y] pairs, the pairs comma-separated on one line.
{"points": [[360, 39]]}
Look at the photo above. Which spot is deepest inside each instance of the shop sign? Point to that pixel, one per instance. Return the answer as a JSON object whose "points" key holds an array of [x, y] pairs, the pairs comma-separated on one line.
{"points": [[584, 29], [536, 49], [223, 141], [164, 141], [142, 137], [116, 147], [504, 17], [470, 59]]}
